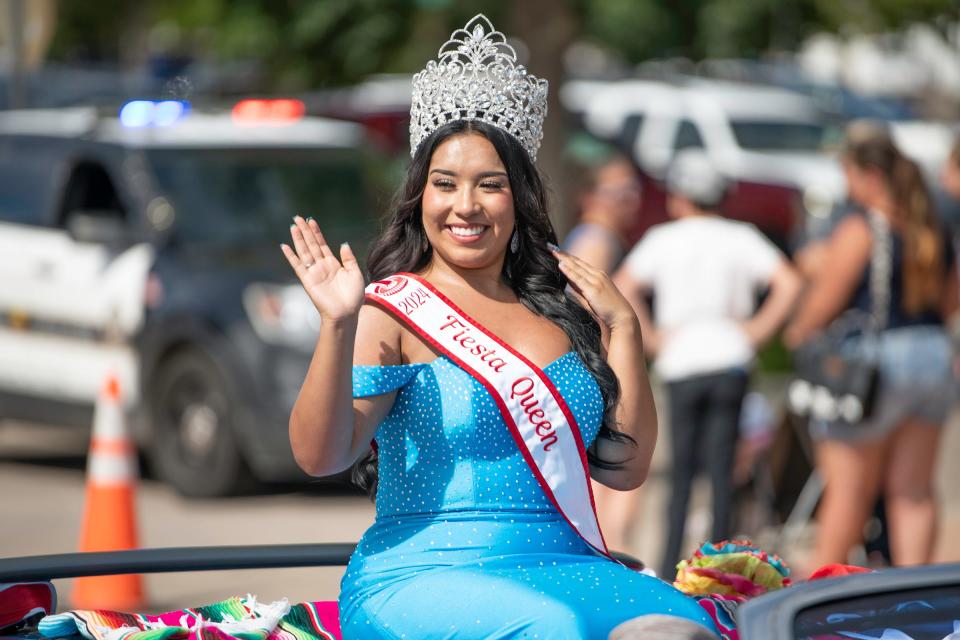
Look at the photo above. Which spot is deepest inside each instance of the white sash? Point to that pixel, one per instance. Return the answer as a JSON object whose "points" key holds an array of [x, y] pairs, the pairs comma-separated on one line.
{"points": [[538, 418]]}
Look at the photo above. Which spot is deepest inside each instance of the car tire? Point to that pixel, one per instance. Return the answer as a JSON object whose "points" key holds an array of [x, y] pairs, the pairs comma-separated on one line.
{"points": [[192, 410]]}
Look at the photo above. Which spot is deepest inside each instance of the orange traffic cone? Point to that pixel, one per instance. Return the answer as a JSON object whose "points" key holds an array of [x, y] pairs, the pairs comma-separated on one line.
{"points": [[109, 520]]}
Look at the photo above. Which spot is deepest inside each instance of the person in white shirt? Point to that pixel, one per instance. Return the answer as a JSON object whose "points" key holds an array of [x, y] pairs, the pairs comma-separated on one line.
{"points": [[704, 272]]}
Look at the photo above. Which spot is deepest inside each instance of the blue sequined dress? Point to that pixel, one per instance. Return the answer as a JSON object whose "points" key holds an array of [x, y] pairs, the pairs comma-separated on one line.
{"points": [[465, 543]]}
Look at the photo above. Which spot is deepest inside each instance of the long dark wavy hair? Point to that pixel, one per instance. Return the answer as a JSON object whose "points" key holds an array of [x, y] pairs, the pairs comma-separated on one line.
{"points": [[531, 271]]}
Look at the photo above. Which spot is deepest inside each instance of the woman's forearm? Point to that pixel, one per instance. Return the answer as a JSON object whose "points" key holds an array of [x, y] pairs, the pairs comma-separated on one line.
{"points": [[636, 414], [322, 420], [839, 271], [633, 291]]}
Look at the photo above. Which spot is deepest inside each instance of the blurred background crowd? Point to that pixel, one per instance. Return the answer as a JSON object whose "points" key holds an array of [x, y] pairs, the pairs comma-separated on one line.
{"points": [[752, 173]]}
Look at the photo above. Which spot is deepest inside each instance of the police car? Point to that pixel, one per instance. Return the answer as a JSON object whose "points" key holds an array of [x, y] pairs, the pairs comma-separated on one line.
{"points": [[145, 243]]}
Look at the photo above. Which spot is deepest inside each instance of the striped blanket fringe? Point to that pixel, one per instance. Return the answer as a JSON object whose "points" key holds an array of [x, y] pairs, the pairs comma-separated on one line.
{"points": [[235, 618], [723, 611]]}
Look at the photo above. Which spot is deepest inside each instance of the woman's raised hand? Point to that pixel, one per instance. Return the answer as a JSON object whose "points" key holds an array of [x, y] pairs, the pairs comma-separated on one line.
{"points": [[597, 290], [336, 289]]}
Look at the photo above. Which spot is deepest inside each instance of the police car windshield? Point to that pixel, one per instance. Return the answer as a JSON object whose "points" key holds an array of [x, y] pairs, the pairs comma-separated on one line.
{"points": [[249, 196], [778, 136]]}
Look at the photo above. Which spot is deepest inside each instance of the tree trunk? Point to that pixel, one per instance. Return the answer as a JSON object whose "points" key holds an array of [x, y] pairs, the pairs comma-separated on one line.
{"points": [[548, 28]]}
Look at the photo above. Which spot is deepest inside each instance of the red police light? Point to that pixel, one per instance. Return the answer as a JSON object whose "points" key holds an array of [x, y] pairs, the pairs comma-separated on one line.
{"points": [[267, 112]]}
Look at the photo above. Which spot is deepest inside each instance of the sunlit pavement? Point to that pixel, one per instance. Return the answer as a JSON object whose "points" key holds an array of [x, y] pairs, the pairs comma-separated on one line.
{"points": [[41, 493]]}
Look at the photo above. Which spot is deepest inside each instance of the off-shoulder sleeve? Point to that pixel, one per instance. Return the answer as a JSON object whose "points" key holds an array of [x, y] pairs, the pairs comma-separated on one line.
{"points": [[374, 380]]}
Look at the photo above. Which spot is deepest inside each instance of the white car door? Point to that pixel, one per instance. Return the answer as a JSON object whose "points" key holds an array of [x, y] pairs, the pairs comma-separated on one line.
{"points": [[72, 308]]}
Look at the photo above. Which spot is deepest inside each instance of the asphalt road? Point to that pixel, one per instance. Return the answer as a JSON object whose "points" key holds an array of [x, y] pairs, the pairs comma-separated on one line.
{"points": [[42, 490], [42, 487]]}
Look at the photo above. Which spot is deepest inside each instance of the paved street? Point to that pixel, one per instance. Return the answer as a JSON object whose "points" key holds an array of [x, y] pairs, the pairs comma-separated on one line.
{"points": [[41, 493], [41, 490]]}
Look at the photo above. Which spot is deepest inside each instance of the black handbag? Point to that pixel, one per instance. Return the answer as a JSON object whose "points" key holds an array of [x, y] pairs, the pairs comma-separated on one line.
{"points": [[836, 376], [837, 373]]}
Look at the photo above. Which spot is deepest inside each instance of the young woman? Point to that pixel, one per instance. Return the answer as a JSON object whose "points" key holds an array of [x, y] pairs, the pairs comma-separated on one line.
{"points": [[894, 451], [470, 540]]}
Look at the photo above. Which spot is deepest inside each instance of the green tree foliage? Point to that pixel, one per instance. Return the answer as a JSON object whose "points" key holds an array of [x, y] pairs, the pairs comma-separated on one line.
{"points": [[304, 43], [91, 30], [317, 43], [880, 15], [639, 30], [636, 29]]}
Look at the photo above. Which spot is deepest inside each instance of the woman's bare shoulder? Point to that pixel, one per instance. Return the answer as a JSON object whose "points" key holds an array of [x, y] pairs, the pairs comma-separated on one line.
{"points": [[853, 230], [846, 253], [378, 337]]}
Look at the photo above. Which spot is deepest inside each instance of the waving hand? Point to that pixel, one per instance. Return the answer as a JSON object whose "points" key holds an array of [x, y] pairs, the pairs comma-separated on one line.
{"points": [[335, 288]]}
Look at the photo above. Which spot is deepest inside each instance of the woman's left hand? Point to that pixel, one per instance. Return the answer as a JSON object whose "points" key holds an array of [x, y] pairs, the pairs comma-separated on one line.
{"points": [[595, 287]]}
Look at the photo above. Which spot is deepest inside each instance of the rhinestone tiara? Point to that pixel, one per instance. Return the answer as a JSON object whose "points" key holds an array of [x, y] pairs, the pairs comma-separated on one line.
{"points": [[476, 77]]}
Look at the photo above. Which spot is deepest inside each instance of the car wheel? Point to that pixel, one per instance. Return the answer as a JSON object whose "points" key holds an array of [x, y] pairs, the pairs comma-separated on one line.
{"points": [[192, 409]]}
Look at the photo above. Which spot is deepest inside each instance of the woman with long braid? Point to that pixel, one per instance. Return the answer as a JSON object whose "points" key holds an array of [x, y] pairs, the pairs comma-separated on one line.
{"points": [[894, 451]]}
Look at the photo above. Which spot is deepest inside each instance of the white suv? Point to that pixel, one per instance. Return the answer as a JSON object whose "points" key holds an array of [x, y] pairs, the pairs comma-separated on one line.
{"points": [[768, 141]]}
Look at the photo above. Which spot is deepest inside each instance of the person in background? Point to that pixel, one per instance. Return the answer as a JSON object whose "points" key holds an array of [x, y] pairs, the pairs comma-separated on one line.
{"points": [[949, 208], [609, 201], [893, 453], [949, 201], [705, 273]]}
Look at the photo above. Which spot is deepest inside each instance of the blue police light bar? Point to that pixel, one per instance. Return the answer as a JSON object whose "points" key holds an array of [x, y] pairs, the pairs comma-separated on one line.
{"points": [[152, 113]]}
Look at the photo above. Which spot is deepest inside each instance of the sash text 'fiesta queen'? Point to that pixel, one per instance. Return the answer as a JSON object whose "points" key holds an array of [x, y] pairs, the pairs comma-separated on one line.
{"points": [[538, 418]]}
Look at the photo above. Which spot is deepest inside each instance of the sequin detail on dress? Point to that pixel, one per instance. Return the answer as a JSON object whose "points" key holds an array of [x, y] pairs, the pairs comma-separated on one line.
{"points": [[465, 543]]}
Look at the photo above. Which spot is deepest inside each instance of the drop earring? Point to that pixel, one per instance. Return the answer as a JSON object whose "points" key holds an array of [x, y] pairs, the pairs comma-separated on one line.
{"points": [[514, 242]]}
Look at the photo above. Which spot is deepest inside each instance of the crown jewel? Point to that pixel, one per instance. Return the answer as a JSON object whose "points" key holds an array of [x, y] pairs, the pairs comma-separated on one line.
{"points": [[476, 77]]}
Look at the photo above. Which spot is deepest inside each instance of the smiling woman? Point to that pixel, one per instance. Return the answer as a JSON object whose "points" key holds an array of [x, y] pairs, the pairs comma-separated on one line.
{"points": [[467, 202], [472, 174], [491, 393]]}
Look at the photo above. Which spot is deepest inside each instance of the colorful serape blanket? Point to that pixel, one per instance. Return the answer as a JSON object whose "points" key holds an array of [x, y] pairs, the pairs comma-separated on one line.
{"points": [[723, 611], [723, 575], [232, 619], [735, 568]]}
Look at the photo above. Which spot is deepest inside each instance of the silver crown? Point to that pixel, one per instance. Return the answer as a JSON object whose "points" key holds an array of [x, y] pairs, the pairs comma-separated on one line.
{"points": [[476, 77]]}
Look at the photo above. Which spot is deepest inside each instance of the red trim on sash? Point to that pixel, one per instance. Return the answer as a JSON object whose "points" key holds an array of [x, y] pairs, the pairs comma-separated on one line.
{"points": [[495, 394]]}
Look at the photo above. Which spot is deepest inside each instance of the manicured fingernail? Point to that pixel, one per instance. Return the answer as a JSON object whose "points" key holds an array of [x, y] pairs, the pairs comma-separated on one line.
{"points": [[293, 226], [310, 219], [552, 247], [345, 244]]}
